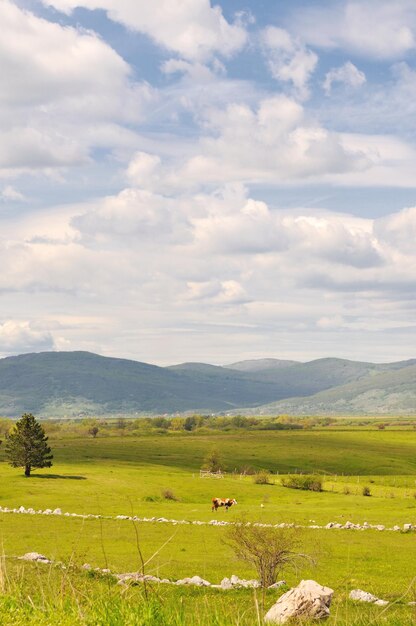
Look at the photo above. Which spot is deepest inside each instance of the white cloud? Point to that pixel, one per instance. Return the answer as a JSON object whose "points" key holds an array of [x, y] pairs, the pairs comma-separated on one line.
{"points": [[23, 336], [11, 194], [348, 74], [398, 230], [276, 142], [192, 28], [140, 260], [144, 170], [217, 292], [376, 28], [288, 59], [63, 91], [135, 213]]}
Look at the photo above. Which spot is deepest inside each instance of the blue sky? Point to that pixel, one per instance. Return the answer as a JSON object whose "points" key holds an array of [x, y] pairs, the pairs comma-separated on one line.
{"points": [[206, 181]]}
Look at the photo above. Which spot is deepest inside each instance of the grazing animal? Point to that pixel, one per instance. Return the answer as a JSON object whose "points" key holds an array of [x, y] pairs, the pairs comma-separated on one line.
{"points": [[218, 502]]}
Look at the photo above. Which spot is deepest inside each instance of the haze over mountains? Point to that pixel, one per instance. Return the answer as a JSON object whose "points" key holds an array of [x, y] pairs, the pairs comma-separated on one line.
{"points": [[81, 383]]}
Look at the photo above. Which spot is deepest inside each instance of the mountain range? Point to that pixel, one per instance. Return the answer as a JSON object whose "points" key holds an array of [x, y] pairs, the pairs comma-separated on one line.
{"points": [[81, 383]]}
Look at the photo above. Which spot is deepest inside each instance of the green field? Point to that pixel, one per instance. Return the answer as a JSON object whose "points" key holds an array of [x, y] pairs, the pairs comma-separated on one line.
{"points": [[127, 475]]}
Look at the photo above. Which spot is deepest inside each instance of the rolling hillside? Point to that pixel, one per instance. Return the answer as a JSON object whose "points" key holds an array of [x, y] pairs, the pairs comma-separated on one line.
{"points": [[81, 383], [386, 393], [76, 383]]}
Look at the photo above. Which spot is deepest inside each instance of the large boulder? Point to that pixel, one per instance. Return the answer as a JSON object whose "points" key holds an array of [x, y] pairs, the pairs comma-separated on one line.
{"points": [[308, 600]]}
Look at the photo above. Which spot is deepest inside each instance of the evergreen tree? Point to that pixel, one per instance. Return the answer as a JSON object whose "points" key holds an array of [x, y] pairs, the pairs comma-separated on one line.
{"points": [[26, 445]]}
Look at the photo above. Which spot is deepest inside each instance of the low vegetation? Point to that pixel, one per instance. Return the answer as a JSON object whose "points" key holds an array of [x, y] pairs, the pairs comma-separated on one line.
{"points": [[157, 475], [262, 478], [270, 551], [304, 482]]}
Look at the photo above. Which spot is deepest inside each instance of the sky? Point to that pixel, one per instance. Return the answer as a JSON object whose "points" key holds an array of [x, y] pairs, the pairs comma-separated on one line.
{"points": [[196, 180]]}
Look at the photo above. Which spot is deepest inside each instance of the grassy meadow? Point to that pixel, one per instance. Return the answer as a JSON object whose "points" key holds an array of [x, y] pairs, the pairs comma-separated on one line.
{"points": [[128, 475]]}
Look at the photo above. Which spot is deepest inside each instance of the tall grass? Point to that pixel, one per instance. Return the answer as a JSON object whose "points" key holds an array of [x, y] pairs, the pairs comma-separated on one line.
{"points": [[39, 595]]}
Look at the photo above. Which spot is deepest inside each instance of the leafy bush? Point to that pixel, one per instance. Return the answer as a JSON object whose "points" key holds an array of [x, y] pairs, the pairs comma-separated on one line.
{"points": [[262, 478], [346, 490], [366, 491], [269, 550], [303, 481], [213, 462]]}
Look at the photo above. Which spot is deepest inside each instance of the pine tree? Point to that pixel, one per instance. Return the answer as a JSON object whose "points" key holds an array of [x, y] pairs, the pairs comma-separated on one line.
{"points": [[26, 445]]}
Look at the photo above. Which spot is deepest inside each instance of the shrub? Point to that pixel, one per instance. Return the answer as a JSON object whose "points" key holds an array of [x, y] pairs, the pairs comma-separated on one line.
{"points": [[248, 470], [346, 490], [169, 495], [213, 462], [268, 550], [366, 491], [93, 431], [262, 478], [151, 499], [303, 481]]}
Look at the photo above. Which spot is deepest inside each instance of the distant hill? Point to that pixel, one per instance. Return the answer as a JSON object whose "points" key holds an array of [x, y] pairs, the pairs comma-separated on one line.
{"points": [[82, 383], [257, 365], [385, 393], [77, 383]]}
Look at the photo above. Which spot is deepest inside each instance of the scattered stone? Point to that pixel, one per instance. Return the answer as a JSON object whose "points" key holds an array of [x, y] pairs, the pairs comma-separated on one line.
{"points": [[364, 596], [226, 584], [35, 556], [407, 527], [195, 580], [308, 600], [280, 583]]}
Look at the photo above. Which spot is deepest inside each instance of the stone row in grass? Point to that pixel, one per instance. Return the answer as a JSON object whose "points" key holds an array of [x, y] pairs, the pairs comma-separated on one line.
{"points": [[234, 582], [134, 518]]}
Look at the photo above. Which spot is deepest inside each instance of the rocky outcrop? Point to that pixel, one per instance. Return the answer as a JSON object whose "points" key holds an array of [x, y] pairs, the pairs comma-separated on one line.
{"points": [[308, 600]]}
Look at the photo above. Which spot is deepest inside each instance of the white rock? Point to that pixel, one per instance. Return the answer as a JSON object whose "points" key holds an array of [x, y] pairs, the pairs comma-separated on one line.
{"points": [[363, 596], [226, 583], [195, 580], [280, 583], [407, 527], [308, 600], [57, 512], [35, 556]]}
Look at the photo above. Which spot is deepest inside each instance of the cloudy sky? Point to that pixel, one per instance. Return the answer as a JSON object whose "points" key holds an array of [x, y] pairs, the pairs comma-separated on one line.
{"points": [[209, 181]]}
